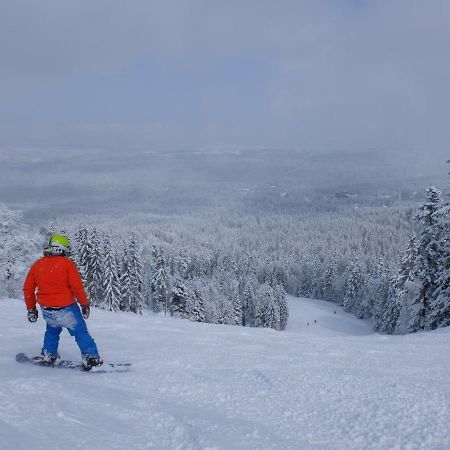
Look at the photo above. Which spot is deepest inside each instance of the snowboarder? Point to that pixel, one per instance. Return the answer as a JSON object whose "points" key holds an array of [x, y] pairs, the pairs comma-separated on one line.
{"points": [[54, 282]]}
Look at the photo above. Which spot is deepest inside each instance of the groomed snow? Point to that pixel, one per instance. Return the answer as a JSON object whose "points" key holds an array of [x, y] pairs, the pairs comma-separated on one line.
{"points": [[330, 385]]}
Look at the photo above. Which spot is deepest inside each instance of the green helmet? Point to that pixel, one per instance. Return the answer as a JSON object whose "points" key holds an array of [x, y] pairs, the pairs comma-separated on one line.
{"points": [[59, 241]]}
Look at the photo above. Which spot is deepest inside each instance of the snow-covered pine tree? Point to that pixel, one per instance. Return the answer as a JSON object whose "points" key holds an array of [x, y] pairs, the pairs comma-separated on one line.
{"points": [[386, 305], [375, 287], [386, 316], [267, 310], [318, 288], [111, 281], [407, 264], [248, 302], [126, 292], [353, 286], [179, 300], [182, 266], [425, 269], [439, 315], [390, 295], [196, 307], [229, 308], [280, 299], [134, 265], [328, 282], [160, 286], [220, 310], [82, 254], [306, 279], [95, 271], [237, 317], [146, 287], [9, 220], [157, 253], [17, 250]]}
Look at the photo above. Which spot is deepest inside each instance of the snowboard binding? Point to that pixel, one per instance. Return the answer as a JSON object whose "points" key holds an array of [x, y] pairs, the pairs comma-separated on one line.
{"points": [[88, 362]]}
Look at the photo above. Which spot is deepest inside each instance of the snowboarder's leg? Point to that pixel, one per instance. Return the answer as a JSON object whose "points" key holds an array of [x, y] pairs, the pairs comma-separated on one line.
{"points": [[80, 332], [56, 319], [51, 341]]}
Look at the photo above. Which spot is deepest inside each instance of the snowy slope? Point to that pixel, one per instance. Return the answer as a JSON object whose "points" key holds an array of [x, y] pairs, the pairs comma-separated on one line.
{"points": [[330, 385]]}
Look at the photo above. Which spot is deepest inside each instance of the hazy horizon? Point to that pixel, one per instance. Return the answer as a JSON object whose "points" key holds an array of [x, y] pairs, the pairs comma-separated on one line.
{"points": [[155, 102], [47, 184]]}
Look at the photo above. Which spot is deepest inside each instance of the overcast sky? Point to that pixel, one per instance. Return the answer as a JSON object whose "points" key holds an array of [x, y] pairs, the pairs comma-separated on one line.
{"points": [[319, 74]]}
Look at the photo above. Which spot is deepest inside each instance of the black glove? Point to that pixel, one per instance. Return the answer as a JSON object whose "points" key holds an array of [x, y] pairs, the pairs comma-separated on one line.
{"points": [[85, 311], [32, 315]]}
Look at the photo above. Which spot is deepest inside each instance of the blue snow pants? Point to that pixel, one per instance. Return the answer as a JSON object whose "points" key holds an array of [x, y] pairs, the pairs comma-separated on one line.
{"points": [[70, 318]]}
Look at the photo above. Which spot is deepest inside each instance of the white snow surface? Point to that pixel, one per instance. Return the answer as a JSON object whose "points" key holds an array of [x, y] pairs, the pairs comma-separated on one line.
{"points": [[333, 384]]}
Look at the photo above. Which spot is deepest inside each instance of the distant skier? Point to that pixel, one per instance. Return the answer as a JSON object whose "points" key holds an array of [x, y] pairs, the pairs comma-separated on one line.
{"points": [[54, 282]]}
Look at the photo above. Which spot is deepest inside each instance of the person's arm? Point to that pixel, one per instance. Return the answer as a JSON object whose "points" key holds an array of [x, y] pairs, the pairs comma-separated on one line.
{"points": [[76, 284], [29, 290]]}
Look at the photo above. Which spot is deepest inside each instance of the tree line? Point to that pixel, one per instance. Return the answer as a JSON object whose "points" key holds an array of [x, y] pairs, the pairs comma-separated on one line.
{"points": [[420, 293], [118, 279], [389, 265]]}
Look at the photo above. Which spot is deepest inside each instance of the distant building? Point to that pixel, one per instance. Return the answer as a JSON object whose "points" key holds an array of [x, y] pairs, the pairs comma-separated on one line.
{"points": [[344, 194]]}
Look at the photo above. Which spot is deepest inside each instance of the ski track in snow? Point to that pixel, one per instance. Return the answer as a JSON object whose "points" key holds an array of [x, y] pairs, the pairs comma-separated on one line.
{"points": [[331, 385]]}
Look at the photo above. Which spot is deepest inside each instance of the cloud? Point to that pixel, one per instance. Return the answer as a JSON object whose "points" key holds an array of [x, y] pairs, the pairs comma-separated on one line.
{"points": [[54, 39], [342, 73]]}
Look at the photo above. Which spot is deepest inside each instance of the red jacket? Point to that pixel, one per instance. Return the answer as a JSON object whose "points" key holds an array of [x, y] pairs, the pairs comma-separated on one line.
{"points": [[57, 281]]}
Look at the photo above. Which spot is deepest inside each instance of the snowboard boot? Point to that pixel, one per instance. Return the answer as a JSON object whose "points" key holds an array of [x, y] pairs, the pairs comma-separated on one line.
{"points": [[48, 359], [91, 361]]}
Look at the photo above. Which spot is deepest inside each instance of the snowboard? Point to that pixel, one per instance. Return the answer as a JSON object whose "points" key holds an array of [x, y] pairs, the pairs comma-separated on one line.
{"points": [[67, 364]]}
